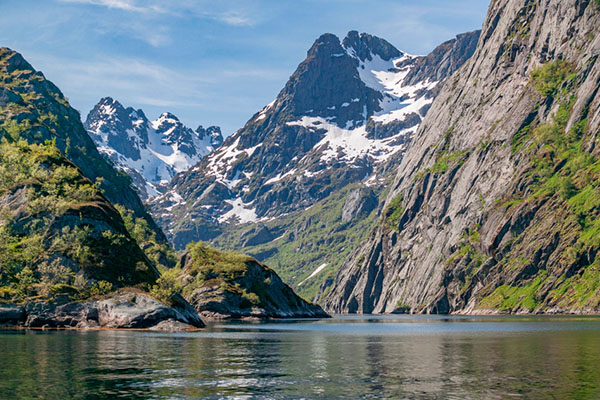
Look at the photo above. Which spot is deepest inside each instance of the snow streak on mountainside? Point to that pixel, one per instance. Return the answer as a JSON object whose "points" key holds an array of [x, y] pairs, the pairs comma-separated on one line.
{"points": [[151, 152], [349, 107]]}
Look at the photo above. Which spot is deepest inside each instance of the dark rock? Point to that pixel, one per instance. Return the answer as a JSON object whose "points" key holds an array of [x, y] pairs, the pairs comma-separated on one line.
{"points": [[126, 309], [258, 235], [7, 96], [11, 314]]}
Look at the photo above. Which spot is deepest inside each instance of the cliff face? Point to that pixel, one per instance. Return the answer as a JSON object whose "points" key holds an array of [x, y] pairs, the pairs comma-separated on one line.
{"points": [[495, 204]]}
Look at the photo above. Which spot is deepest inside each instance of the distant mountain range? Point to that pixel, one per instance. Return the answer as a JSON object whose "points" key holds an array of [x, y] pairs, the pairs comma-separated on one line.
{"points": [[151, 152]]}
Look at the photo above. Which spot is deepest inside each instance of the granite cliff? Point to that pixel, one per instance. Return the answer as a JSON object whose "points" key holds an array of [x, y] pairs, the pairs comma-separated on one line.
{"points": [[495, 206]]}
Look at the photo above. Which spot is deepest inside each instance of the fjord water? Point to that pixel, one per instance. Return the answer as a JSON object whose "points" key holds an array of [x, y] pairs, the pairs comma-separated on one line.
{"points": [[344, 357]]}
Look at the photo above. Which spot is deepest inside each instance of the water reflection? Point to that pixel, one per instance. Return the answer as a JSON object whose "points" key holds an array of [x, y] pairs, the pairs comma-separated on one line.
{"points": [[391, 357]]}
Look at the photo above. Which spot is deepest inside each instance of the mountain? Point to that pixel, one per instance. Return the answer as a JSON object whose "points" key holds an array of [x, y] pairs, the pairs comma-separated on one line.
{"points": [[34, 109], [317, 206], [151, 152], [349, 107], [495, 206], [69, 257]]}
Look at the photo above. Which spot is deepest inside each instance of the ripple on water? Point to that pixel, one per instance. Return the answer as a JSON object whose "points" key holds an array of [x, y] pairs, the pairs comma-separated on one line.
{"points": [[347, 357]]}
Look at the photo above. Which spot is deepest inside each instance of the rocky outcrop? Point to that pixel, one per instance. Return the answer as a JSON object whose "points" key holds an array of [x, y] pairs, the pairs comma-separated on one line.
{"points": [[359, 203], [126, 309], [151, 152], [493, 205], [232, 286]]}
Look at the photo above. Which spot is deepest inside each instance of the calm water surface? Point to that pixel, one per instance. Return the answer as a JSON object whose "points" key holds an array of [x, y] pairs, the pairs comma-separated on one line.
{"points": [[392, 357]]}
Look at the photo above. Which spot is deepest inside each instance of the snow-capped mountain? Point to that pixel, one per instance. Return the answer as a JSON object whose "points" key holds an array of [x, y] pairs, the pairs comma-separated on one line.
{"points": [[349, 108], [151, 152]]}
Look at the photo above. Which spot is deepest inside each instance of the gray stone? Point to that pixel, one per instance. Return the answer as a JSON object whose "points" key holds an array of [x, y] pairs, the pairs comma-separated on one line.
{"points": [[476, 115]]}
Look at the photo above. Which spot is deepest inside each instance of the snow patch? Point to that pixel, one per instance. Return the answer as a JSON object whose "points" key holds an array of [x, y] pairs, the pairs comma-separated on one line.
{"points": [[315, 272], [263, 114], [279, 177], [239, 210], [349, 144]]}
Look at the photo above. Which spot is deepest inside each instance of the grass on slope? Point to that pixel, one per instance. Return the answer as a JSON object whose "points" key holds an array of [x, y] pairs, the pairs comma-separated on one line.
{"points": [[306, 241], [564, 174]]}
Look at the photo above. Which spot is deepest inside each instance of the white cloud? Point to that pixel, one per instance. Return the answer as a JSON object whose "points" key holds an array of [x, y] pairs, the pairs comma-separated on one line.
{"points": [[230, 15], [235, 19], [126, 5]]}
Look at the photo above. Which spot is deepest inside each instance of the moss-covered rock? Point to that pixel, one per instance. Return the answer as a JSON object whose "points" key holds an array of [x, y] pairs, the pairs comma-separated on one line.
{"points": [[230, 285], [59, 236]]}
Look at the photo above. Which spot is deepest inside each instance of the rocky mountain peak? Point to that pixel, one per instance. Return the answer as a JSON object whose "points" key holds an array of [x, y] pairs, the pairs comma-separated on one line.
{"points": [[365, 46], [214, 132], [168, 119], [341, 115], [327, 84], [151, 152], [326, 44]]}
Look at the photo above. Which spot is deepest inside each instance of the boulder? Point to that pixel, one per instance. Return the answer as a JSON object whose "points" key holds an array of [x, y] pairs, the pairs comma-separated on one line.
{"points": [[125, 309]]}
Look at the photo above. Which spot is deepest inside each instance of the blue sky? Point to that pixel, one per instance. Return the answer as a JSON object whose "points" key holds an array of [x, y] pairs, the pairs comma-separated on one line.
{"points": [[208, 62]]}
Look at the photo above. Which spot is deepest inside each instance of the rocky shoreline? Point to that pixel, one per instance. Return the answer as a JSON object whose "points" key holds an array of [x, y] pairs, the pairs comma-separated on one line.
{"points": [[125, 309]]}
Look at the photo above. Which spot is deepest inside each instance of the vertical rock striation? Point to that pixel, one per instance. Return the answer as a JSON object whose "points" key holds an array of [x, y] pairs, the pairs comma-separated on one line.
{"points": [[495, 204]]}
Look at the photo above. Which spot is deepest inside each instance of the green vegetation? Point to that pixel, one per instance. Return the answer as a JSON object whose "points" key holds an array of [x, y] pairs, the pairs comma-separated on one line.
{"points": [[306, 240], [394, 211], [469, 256], [445, 160], [507, 298], [550, 77], [211, 267], [58, 235], [161, 254]]}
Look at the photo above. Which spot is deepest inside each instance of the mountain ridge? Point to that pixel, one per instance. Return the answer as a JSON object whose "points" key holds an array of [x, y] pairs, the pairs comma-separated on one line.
{"points": [[340, 115], [151, 152]]}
